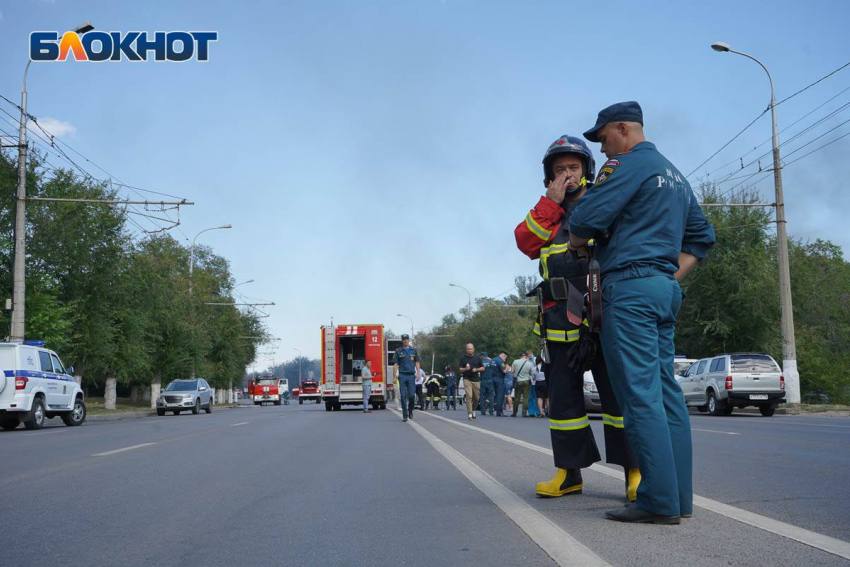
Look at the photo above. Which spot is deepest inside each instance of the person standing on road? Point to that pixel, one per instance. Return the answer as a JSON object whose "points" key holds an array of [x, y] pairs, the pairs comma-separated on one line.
{"points": [[420, 387], [569, 169], [451, 387], [658, 233], [469, 367], [522, 383], [532, 394], [405, 367], [366, 378], [538, 378], [509, 388], [498, 376], [486, 390]]}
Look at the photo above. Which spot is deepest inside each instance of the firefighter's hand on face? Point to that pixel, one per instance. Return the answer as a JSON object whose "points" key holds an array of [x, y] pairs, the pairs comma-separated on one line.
{"points": [[557, 188]]}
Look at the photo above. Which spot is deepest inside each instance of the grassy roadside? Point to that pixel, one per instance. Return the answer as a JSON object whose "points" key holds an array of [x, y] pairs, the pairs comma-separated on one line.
{"points": [[831, 410], [124, 405]]}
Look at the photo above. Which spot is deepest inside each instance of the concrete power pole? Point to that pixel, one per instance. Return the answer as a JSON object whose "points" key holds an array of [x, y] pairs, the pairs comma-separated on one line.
{"points": [[789, 346], [19, 264]]}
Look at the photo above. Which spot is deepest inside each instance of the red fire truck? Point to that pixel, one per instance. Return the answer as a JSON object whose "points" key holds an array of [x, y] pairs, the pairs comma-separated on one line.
{"points": [[267, 389], [345, 350], [308, 391]]}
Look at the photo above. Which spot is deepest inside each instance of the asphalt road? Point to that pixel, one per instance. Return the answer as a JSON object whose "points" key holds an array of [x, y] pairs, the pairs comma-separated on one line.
{"points": [[295, 485]]}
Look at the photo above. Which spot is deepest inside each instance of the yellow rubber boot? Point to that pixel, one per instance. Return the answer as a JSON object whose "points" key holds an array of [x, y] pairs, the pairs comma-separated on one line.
{"points": [[565, 481], [632, 483]]}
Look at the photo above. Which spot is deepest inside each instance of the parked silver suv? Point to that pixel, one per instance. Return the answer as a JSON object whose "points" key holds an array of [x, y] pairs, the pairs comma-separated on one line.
{"points": [[718, 384], [183, 395]]}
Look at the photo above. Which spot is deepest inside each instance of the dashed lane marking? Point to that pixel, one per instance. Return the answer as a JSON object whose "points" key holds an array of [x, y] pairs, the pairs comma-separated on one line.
{"points": [[51, 432], [807, 537], [130, 448], [564, 549], [240, 423], [713, 431]]}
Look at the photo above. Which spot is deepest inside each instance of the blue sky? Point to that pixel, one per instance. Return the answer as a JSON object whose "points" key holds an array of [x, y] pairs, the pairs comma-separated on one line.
{"points": [[368, 153]]}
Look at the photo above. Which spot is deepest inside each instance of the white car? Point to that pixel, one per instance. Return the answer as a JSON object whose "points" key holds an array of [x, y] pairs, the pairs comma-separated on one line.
{"points": [[36, 386], [592, 401]]}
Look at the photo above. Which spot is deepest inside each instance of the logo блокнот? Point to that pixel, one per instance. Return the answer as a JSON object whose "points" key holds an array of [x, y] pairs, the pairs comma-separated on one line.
{"points": [[117, 46]]}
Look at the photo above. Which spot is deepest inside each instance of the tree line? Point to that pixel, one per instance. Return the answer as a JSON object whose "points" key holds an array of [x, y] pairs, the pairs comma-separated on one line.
{"points": [[115, 307], [731, 304]]}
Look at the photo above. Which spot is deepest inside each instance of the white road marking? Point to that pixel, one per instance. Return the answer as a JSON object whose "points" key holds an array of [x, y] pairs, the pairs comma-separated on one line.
{"points": [[130, 448], [790, 421], [564, 549], [52, 430], [821, 425], [713, 431], [240, 423], [810, 538]]}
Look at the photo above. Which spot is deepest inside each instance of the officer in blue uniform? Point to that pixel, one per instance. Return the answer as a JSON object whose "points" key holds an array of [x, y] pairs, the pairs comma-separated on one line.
{"points": [[487, 399], [405, 367], [658, 233]]}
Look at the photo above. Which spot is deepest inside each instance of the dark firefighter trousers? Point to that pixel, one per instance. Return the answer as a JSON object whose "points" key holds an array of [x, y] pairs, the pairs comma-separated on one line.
{"points": [[573, 443], [434, 397]]}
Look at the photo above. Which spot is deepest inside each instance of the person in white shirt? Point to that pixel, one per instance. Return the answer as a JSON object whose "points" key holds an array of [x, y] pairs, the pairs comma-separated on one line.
{"points": [[420, 384], [366, 375]]}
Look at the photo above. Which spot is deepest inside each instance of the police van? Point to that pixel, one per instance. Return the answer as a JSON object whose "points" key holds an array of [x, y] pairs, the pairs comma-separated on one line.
{"points": [[36, 386]]}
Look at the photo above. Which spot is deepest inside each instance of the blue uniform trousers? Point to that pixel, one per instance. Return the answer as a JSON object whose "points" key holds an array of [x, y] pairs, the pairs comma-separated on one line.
{"points": [[638, 324], [499, 387], [407, 385], [451, 396], [487, 396]]}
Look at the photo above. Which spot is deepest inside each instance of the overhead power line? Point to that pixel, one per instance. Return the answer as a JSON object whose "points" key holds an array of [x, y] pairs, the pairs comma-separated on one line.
{"points": [[791, 139], [57, 146], [807, 87], [816, 149], [741, 157], [747, 127]]}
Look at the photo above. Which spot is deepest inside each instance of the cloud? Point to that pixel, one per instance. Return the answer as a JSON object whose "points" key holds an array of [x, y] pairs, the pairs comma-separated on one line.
{"points": [[53, 127]]}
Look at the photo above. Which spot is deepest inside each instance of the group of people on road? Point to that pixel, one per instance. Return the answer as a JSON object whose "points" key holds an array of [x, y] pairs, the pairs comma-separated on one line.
{"points": [[492, 390]]}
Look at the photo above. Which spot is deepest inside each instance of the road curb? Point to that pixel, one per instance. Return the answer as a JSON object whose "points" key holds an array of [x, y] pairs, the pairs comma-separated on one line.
{"points": [[117, 416], [125, 415]]}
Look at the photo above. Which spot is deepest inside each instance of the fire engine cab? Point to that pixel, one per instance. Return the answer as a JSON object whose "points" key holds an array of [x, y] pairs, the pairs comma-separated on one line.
{"points": [[345, 350], [267, 389]]}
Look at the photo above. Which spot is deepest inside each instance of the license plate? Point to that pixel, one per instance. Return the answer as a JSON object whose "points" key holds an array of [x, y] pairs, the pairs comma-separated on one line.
{"points": [[758, 396]]}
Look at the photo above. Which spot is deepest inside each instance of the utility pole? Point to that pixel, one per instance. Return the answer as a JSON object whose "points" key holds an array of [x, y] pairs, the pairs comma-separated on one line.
{"points": [[789, 346], [19, 263], [19, 289], [299, 365]]}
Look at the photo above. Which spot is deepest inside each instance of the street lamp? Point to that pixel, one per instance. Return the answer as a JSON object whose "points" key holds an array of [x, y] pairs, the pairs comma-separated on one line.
{"points": [[19, 286], [299, 365], [468, 297], [411, 324], [243, 283], [789, 348], [192, 253]]}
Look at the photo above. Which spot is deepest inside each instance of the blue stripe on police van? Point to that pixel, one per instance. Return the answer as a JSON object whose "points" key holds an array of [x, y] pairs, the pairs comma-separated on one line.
{"points": [[37, 374]]}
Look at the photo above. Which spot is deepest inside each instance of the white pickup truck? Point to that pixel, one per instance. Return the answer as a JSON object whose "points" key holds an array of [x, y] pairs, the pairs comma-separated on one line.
{"points": [[36, 386], [718, 384]]}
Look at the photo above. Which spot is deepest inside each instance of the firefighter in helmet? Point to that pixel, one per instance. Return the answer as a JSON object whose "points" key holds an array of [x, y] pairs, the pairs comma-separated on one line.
{"points": [[569, 169]]}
